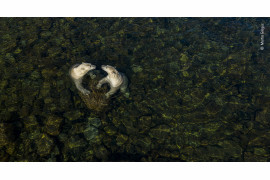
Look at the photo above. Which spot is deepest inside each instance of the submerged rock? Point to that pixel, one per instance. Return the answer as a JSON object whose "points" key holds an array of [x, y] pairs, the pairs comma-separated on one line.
{"points": [[31, 123], [73, 115], [121, 139], [53, 125], [136, 68], [75, 144], [145, 123], [110, 130], [101, 153], [260, 152], [160, 132], [230, 149], [3, 136], [90, 133], [94, 121], [44, 145], [212, 108], [35, 75]]}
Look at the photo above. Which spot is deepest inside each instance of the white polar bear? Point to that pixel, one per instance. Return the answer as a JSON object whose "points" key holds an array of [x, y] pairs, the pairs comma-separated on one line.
{"points": [[77, 73], [116, 80]]}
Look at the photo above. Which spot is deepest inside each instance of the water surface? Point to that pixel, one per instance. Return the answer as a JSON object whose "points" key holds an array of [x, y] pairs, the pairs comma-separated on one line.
{"points": [[199, 89]]}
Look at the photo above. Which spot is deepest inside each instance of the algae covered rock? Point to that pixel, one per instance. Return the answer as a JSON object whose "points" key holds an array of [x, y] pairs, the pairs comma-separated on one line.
{"points": [[145, 144], [31, 123], [212, 108], [121, 139], [25, 110], [53, 125], [3, 136], [74, 146], [91, 130], [94, 121], [230, 149], [260, 152], [44, 145], [160, 132], [35, 75], [145, 123], [73, 115], [90, 133], [110, 130], [136, 68], [101, 153]]}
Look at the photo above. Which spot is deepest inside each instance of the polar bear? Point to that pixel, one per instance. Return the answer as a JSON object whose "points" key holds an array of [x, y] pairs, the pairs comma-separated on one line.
{"points": [[77, 73], [116, 80]]}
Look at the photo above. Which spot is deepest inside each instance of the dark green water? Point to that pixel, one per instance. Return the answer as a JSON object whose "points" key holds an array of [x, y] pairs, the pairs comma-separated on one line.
{"points": [[199, 89]]}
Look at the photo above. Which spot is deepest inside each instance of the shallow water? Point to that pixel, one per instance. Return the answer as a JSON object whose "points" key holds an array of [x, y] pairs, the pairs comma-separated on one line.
{"points": [[199, 89]]}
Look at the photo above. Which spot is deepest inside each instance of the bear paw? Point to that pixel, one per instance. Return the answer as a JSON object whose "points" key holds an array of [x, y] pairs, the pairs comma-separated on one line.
{"points": [[85, 92]]}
